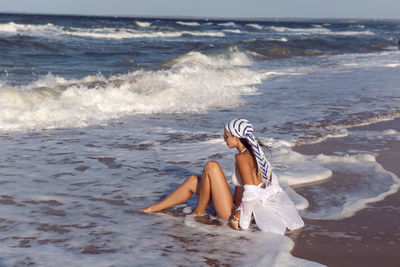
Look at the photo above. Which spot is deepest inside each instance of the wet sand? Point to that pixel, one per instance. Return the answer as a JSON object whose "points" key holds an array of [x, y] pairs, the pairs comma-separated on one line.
{"points": [[372, 236]]}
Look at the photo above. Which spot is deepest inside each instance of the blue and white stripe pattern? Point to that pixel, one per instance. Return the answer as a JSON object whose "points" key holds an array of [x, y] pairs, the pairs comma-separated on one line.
{"points": [[242, 128]]}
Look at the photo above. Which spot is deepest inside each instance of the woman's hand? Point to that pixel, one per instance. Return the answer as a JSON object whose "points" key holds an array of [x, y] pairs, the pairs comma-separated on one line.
{"points": [[235, 220]]}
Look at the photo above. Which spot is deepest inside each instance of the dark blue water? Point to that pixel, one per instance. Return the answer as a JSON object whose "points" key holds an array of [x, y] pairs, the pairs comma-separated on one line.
{"points": [[77, 46]]}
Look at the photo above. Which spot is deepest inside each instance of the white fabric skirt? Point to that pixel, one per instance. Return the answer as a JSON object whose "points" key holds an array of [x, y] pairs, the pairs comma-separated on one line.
{"points": [[272, 208]]}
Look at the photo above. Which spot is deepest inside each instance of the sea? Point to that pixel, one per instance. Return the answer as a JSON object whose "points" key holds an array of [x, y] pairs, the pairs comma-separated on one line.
{"points": [[102, 116]]}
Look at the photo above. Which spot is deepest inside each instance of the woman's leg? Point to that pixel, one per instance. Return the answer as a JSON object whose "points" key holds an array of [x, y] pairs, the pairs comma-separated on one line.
{"points": [[214, 188], [211, 189], [178, 196]]}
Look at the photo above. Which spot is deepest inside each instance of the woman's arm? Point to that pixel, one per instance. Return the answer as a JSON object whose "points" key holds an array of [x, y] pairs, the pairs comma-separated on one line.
{"points": [[237, 196], [237, 199], [243, 163]]}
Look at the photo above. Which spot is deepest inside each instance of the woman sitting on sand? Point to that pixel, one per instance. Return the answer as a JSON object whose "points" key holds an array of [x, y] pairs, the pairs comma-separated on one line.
{"points": [[257, 190]]}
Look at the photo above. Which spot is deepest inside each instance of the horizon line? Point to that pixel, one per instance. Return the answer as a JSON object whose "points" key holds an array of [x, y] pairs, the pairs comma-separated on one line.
{"points": [[186, 17]]}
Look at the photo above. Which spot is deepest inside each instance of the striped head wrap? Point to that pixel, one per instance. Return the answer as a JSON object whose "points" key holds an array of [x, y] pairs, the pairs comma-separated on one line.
{"points": [[242, 128]]}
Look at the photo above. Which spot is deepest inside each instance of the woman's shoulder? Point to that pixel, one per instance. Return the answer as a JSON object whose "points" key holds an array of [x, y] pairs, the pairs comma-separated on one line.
{"points": [[243, 158]]}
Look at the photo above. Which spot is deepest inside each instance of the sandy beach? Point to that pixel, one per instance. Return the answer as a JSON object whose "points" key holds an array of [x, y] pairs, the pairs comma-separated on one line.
{"points": [[369, 238]]}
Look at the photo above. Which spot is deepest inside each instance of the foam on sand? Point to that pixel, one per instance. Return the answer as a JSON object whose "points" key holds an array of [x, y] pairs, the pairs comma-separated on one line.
{"points": [[364, 181], [257, 248], [346, 182], [294, 169]]}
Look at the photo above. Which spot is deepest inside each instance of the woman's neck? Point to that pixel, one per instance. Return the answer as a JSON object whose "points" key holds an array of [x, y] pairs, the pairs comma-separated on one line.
{"points": [[241, 148]]}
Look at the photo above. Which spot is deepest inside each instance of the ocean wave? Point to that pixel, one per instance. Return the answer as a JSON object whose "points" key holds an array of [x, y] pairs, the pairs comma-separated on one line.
{"points": [[30, 29], [51, 31], [357, 26], [317, 31], [228, 24], [142, 24], [233, 58], [344, 51], [255, 26], [193, 83], [283, 39], [232, 30], [128, 34], [192, 24], [277, 51]]}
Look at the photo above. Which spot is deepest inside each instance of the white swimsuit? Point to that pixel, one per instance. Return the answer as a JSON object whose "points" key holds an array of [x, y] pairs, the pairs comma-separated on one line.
{"points": [[273, 210]]}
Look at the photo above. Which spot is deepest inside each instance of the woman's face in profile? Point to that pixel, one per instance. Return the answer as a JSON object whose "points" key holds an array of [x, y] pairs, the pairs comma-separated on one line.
{"points": [[229, 139]]}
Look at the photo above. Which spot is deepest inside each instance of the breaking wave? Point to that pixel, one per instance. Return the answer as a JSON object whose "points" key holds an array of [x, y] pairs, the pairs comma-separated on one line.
{"points": [[51, 31], [194, 82]]}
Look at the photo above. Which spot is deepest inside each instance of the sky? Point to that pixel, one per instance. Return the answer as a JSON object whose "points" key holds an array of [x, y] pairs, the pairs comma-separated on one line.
{"points": [[367, 9]]}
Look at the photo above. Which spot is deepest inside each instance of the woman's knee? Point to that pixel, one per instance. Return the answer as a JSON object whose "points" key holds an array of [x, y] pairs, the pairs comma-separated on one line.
{"points": [[192, 178], [192, 181], [211, 166]]}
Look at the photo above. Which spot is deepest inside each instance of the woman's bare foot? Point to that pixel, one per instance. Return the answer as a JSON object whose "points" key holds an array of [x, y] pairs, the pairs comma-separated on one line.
{"points": [[198, 213], [234, 224], [147, 210], [235, 220]]}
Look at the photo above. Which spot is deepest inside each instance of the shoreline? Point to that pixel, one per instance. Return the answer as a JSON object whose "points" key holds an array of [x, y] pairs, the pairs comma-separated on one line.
{"points": [[369, 238]]}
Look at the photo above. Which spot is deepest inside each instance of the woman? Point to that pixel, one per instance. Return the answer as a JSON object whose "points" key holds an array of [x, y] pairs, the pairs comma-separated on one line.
{"points": [[257, 190]]}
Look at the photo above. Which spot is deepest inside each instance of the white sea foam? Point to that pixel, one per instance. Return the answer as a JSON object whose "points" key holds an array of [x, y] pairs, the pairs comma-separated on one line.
{"points": [[283, 39], [281, 73], [336, 235], [232, 30], [193, 24], [126, 34], [361, 179], [194, 83], [255, 26], [336, 132], [266, 249], [277, 29], [294, 168], [228, 24], [317, 26], [386, 59], [317, 30], [52, 31], [366, 182], [143, 23], [357, 26], [263, 249], [44, 29], [393, 65], [235, 58], [66, 217], [391, 132]]}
